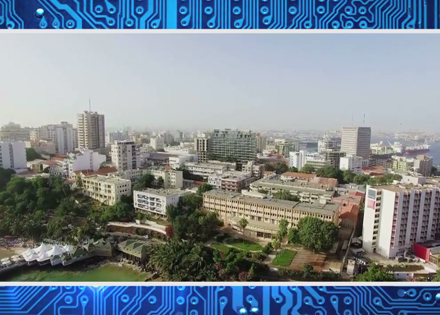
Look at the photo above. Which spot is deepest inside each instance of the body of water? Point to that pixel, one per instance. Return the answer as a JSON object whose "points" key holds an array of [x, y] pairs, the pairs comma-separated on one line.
{"points": [[104, 273], [434, 150]]}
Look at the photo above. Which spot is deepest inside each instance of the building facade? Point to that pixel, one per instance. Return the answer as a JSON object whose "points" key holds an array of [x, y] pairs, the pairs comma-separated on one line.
{"points": [[334, 157], [297, 159], [157, 143], [171, 178], [156, 201], [63, 135], [202, 145], [105, 189], [423, 165], [356, 141], [235, 144], [13, 155], [84, 160], [352, 163], [207, 169], [14, 133], [398, 216], [264, 215], [91, 130], [125, 155]]}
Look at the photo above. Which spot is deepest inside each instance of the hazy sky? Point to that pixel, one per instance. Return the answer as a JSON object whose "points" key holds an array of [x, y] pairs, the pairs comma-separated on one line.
{"points": [[255, 81]]}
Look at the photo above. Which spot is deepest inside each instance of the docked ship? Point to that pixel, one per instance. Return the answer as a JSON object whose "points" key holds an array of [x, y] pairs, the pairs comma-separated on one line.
{"points": [[417, 149]]}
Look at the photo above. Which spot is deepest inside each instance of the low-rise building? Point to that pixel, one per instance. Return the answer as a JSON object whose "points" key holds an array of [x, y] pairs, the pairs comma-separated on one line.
{"points": [[264, 215], [254, 168], [402, 164], [352, 163], [156, 201], [312, 191], [83, 160], [105, 189], [207, 169]]}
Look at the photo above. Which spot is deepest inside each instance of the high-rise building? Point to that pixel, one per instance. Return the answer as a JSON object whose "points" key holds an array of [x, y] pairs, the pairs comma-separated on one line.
{"points": [[91, 130], [334, 157], [328, 143], [235, 144], [63, 135], [356, 141], [157, 143], [125, 155], [398, 216], [297, 159], [423, 165], [261, 142], [13, 155], [202, 145], [14, 132]]}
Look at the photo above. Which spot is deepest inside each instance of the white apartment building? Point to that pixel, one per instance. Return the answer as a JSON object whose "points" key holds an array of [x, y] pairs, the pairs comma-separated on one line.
{"points": [[316, 160], [297, 159], [157, 143], [84, 160], [180, 149], [206, 169], [171, 178], [356, 141], [91, 130], [156, 201], [105, 189], [125, 155], [63, 135], [14, 132], [216, 180], [255, 169], [176, 162], [353, 163], [13, 155], [397, 216]]}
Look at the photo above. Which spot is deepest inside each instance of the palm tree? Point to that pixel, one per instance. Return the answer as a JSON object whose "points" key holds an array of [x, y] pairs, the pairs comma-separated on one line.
{"points": [[243, 224]]}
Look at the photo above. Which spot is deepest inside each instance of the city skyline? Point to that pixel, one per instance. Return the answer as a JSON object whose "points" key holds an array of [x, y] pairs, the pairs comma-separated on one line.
{"points": [[163, 81]]}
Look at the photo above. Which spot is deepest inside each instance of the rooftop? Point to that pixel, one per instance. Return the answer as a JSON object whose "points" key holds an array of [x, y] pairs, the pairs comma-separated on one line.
{"points": [[101, 171], [162, 192], [310, 186], [401, 187], [107, 179], [298, 175], [321, 208]]}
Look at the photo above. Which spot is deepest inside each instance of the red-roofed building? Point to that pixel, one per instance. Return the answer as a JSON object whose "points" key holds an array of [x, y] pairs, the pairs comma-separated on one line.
{"points": [[295, 175]]}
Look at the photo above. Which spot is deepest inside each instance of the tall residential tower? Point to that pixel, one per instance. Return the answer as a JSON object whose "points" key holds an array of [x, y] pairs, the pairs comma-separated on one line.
{"points": [[356, 141], [91, 130]]}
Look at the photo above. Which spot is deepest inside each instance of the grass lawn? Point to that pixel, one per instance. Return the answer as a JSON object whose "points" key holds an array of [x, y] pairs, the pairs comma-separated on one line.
{"points": [[284, 258], [220, 247], [244, 245]]}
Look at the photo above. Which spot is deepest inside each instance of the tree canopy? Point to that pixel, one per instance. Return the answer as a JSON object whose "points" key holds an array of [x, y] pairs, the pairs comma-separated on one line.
{"points": [[5, 177], [308, 169], [204, 188], [375, 274], [149, 181], [32, 155], [330, 172], [285, 195], [314, 234]]}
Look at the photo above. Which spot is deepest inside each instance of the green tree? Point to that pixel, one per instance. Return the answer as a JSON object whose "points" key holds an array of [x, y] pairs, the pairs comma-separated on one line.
{"points": [[269, 167], [307, 271], [316, 234], [5, 177], [293, 169], [293, 236], [243, 223], [159, 183], [375, 274], [276, 244], [348, 176], [434, 171], [281, 168], [285, 195], [308, 169], [283, 229], [79, 182], [361, 179], [146, 181], [204, 188], [330, 172], [32, 155]]}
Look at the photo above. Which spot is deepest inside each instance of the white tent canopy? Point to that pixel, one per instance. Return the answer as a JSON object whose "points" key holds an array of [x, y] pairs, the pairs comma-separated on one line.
{"points": [[43, 256], [31, 257], [42, 248], [68, 248], [55, 251]]}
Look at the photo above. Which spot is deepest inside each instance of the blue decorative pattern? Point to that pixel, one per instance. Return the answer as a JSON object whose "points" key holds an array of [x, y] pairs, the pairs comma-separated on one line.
{"points": [[220, 14], [221, 300]]}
